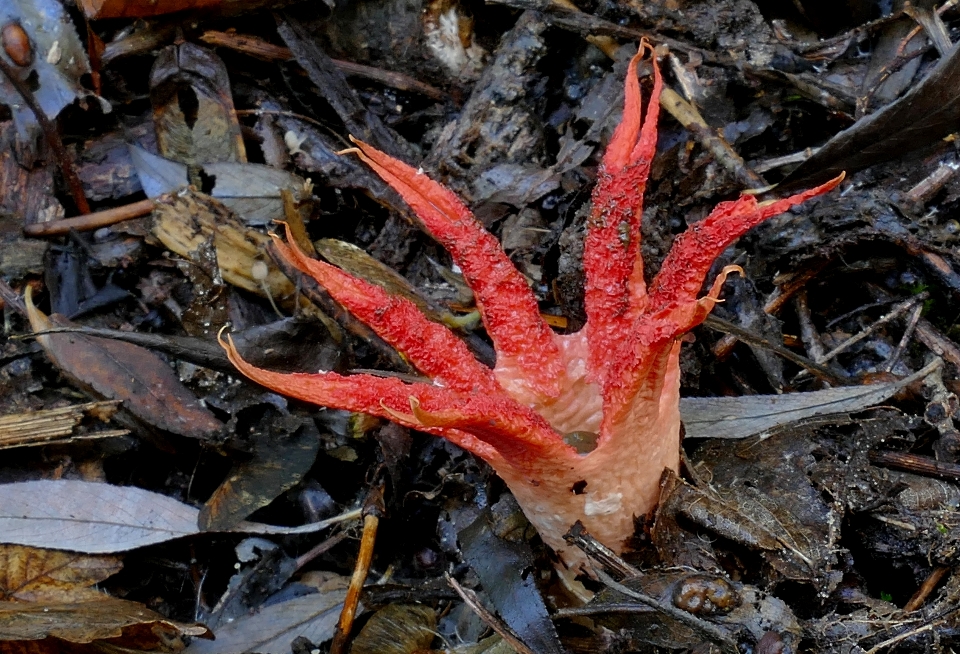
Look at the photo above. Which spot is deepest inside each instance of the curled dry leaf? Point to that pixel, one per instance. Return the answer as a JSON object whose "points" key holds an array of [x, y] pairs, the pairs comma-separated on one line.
{"points": [[123, 624], [30, 574], [48, 596], [185, 221], [206, 132], [115, 370]]}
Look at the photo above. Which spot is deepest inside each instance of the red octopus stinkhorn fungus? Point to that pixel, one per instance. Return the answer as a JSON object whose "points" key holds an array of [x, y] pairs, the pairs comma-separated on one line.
{"points": [[617, 379]]}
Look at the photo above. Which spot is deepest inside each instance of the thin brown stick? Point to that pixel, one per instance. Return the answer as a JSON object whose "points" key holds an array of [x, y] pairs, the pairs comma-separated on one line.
{"points": [[917, 464], [53, 138], [90, 221], [927, 587], [905, 339], [320, 548], [257, 47], [10, 298], [813, 367], [501, 628], [371, 521]]}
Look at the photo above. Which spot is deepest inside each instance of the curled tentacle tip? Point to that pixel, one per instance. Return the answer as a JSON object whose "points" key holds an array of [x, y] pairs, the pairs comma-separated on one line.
{"points": [[353, 139]]}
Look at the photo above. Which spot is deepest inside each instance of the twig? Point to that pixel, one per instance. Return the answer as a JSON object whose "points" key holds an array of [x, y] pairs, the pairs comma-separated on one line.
{"points": [[560, 15], [89, 221], [688, 116], [926, 588], [321, 548], [808, 331], [896, 639], [371, 521], [716, 634], [773, 163], [261, 49], [502, 629], [748, 337], [52, 136], [927, 334], [905, 339], [11, 298], [897, 309], [916, 463], [598, 552]]}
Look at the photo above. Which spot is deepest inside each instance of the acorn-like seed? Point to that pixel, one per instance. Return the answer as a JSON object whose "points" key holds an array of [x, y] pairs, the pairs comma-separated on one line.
{"points": [[16, 44]]}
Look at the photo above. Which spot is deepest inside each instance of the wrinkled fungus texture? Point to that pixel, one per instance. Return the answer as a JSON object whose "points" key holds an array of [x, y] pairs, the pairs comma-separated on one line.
{"points": [[619, 377]]}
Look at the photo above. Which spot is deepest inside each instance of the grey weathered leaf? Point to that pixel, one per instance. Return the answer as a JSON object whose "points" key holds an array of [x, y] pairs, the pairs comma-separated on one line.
{"points": [[273, 628], [89, 517], [157, 174], [58, 61], [741, 417], [98, 518], [250, 190]]}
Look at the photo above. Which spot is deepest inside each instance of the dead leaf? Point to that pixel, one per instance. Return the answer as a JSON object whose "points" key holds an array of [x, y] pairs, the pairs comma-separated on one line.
{"points": [[29, 574], [502, 566], [252, 191], [206, 129], [358, 263], [184, 221], [47, 597], [274, 627], [90, 517], [56, 63], [285, 448], [115, 370], [136, 626], [102, 518], [741, 417], [929, 111]]}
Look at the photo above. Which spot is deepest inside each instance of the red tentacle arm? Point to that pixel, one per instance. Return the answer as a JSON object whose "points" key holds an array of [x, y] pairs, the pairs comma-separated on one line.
{"points": [[509, 310], [615, 291], [501, 431], [686, 267], [432, 348]]}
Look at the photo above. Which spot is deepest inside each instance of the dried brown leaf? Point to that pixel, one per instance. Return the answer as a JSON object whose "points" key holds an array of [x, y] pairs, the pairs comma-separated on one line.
{"points": [[135, 626], [30, 574], [122, 371]]}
